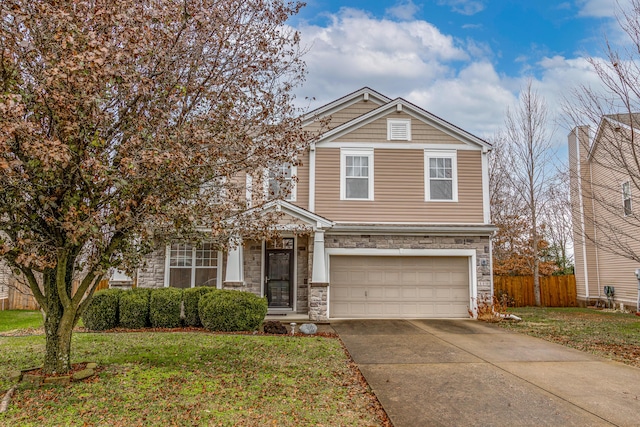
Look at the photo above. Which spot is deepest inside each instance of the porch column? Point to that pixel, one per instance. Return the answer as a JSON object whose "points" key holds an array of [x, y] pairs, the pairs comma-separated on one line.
{"points": [[319, 274], [319, 280], [234, 277]]}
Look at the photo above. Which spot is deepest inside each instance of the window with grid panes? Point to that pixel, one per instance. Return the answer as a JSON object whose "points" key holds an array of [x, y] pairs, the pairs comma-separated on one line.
{"points": [[191, 265]]}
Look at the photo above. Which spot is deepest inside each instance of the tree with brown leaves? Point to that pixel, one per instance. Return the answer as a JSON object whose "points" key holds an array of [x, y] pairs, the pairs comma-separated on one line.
{"points": [[131, 119]]}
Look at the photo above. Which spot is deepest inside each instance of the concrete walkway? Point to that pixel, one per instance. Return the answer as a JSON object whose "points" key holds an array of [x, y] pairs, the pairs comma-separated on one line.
{"points": [[469, 373]]}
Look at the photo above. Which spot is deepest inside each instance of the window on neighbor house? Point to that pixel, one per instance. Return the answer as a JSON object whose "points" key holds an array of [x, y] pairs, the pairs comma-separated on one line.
{"points": [[440, 176], [356, 174], [399, 129], [281, 182], [193, 265], [626, 198]]}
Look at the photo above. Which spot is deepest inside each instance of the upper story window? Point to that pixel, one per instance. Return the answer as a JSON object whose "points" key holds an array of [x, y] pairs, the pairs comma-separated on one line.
{"points": [[281, 182], [214, 191], [193, 265], [626, 198], [399, 129], [441, 181], [356, 174]]}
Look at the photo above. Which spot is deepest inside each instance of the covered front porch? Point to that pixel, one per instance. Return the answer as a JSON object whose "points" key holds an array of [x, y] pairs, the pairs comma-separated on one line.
{"points": [[289, 271]]}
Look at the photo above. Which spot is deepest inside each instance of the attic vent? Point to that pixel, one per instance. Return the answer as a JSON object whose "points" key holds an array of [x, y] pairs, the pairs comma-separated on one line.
{"points": [[399, 129]]}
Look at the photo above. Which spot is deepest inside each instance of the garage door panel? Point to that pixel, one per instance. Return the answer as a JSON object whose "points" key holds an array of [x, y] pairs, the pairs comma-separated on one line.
{"points": [[375, 293], [408, 293], [391, 276], [409, 277], [399, 287]]}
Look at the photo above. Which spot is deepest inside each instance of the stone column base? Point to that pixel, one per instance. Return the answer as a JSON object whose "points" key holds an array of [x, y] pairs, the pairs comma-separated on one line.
{"points": [[318, 302]]}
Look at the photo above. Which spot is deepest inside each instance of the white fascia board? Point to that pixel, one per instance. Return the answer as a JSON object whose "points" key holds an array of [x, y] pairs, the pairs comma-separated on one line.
{"points": [[406, 145], [400, 252], [344, 102], [431, 230], [299, 213]]}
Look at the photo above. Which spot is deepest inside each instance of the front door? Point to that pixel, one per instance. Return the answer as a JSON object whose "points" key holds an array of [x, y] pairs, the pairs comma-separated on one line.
{"points": [[279, 273]]}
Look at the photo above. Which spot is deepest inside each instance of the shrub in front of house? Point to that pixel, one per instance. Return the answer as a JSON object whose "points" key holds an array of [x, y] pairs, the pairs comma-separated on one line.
{"points": [[164, 307], [230, 311], [102, 312], [134, 308], [191, 297]]}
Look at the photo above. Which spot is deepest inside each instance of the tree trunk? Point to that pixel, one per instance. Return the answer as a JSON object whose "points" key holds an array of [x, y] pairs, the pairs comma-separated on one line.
{"points": [[58, 348], [536, 271], [58, 327]]}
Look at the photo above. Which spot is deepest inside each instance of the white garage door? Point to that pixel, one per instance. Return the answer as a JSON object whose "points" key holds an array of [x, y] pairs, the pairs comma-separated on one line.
{"points": [[398, 287]]}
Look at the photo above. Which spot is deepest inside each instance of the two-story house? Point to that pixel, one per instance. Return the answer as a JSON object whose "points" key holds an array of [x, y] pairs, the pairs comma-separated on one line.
{"points": [[388, 218], [604, 176]]}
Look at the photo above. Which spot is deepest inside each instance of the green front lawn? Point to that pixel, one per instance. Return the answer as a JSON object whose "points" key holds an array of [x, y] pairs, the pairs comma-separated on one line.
{"points": [[19, 319], [609, 334], [190, 379]]}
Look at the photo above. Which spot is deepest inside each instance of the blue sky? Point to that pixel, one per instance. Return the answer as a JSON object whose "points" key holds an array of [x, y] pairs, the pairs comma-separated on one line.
{"points": [[464, 60]]}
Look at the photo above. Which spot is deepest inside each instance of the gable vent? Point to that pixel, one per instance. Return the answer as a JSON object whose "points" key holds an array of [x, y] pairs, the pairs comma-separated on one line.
{"points": [[399, 130]]}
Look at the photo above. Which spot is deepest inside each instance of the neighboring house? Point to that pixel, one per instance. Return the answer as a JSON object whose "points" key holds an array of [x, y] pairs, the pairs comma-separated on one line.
{"points": [[604, 222], [389, 218], [5, 273]]}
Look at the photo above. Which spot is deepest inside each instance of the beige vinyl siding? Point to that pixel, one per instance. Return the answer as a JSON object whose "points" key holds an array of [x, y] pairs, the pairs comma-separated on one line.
{"points": [[376, 131], [615, 270], [341, 117], [302, 186], [399, 192]]}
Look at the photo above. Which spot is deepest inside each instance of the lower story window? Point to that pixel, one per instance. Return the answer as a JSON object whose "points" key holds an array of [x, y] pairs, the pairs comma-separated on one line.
{"points": [[193, 265]]}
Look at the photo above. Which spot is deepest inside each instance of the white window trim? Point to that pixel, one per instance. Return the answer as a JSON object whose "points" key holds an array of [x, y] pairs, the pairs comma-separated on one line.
{"points": [[167, 266], [405, 122], [439, 154], [363, 152], [292, 194], [624, 212]]}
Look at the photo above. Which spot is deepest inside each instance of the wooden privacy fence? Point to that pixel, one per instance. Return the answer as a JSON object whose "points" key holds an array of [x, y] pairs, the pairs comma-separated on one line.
{"points": [[21, 298], [555, 291]]}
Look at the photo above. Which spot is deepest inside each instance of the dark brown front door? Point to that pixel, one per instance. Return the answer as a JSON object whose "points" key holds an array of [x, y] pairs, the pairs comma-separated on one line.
{"points": [[279, 278]]}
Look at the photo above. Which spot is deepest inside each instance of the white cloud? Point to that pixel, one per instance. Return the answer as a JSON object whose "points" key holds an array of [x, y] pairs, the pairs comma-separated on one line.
{"points": [[597, 8], [404, 10], [356, 49], [453, 79], [464, 7], [475, 100]]}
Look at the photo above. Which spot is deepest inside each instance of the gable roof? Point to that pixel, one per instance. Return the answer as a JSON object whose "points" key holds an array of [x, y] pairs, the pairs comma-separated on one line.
{"points": [[626, 121], [311, 219], [400, 104], [365, 93]]}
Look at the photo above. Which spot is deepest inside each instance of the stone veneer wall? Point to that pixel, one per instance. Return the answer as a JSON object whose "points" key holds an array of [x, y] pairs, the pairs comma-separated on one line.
{"points": [[253, 270], [479, 244], [5, 273], [152, 274], [303, 278], [252, 266]]}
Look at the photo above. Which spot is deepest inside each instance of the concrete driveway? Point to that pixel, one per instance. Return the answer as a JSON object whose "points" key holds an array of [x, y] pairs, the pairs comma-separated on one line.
{"points": [[469, 373]]}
